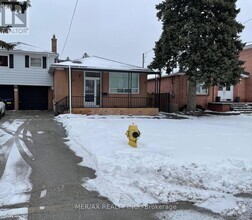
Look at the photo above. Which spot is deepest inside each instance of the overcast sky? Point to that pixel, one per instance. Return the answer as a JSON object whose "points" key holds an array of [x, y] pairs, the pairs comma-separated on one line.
{"points": [[115, 29]]}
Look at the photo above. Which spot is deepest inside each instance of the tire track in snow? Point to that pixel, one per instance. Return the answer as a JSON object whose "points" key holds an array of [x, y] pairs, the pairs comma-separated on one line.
{"points": [[15, 172]]}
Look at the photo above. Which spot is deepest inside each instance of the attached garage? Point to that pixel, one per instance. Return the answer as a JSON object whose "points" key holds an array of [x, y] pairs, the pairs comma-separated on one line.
{"points": [[33, 97], [7, 94]]}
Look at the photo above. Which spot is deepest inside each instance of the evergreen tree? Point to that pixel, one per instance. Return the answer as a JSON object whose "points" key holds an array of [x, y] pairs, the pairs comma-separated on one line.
{"points": [[202, 38], [14, 6]]}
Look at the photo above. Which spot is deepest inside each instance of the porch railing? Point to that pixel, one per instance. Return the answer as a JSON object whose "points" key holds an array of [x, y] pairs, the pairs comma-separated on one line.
{"points": [[104, 102], [62, 106], [112, 102]]}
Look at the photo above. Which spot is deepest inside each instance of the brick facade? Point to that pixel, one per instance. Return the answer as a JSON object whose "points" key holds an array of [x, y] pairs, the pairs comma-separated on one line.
{"points": [[176, 84], [60, 81], [246, 55], [78, 87]]}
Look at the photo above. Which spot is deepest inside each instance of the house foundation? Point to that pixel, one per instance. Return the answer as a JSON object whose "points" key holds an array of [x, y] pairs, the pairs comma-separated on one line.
{"points": [[116, 111]]}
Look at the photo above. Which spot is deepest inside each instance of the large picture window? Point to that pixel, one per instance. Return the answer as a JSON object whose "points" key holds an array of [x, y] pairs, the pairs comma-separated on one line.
{"points": [[3, 60], [123, 83]]}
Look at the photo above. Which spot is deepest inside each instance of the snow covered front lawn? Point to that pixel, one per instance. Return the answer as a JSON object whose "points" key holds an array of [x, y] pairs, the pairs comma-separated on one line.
{"points": [[204, 160]]}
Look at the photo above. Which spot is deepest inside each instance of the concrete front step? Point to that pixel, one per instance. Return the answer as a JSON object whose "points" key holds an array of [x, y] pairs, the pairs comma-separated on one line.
{"points": [[242, 107], [242, 110]]}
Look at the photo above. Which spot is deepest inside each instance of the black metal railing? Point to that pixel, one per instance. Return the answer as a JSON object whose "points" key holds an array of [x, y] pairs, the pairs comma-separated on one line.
{"points": [[111, 102], [62, 106], [163, 101], [127, 102], [78, 102], [104, 102]]}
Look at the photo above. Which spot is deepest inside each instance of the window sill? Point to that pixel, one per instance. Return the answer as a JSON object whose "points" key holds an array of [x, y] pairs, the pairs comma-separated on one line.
{"points": [[116, 93], [35, 67]]}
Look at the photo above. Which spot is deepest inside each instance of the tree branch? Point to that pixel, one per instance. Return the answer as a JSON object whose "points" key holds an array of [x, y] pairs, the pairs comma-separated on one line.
{"points": [[6, 46]]}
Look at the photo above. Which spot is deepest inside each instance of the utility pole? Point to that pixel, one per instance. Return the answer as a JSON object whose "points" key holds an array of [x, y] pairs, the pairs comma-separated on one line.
{"points": [[144, 56]]}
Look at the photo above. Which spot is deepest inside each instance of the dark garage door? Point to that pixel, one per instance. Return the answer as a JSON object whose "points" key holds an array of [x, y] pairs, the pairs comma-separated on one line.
{"points": [[7, 94], [33, 98]]}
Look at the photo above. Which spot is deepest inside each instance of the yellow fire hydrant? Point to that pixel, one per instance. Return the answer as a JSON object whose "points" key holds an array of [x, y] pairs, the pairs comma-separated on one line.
{"points": [[133, 134]]}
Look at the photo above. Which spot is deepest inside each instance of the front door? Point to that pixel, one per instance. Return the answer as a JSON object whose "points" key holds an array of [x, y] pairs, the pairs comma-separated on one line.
{"points": [[226, 93], [92, 92]]}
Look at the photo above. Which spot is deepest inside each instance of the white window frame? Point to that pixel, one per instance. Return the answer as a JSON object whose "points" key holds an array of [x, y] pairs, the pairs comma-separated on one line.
{"points": [[202, 91], [34, 57], [124, 90], [8, 61]]}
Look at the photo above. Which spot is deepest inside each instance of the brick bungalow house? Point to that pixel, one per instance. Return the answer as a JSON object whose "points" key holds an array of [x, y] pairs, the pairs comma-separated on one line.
{"points": [[101, 86], [214, 98]]}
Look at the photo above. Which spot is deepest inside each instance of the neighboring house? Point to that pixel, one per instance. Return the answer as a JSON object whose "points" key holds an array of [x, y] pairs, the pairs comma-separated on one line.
{"points": [[177, 86], [24, 76], [101, 86]]}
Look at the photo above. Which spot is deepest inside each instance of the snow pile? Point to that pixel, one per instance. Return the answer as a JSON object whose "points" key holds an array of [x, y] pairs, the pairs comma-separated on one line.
{"points": [[248, 213], [228, 205], [202, 160], [184, 215], [194, 215], [18, 213]]}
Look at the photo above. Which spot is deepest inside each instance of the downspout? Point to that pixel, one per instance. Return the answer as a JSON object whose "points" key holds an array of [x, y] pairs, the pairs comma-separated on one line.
{"points": [[155, 93], [128, 89], [101, 89], [213, 94], [159, 90], [70, 88], [155, 82], [131, 89]]}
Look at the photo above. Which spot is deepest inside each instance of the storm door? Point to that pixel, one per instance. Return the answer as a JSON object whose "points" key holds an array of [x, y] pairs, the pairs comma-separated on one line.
{"points": [[92, 89]]}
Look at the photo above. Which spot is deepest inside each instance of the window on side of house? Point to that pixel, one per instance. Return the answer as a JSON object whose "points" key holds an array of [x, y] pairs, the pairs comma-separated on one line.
{"points": [[36, 62], [4, 60], [122, 83], [201, 89]]}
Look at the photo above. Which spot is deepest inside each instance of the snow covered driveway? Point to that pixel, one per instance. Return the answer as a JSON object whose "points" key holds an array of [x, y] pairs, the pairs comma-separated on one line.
{"points": [[202, 160]]}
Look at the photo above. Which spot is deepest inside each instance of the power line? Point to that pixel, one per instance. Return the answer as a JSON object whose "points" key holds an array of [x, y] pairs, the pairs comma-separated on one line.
{"points": [[70, 26], [247, 21]]}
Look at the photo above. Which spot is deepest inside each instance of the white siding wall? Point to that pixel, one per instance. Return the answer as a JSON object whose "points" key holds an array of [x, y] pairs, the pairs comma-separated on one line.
{"points": [[20, 75]]}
